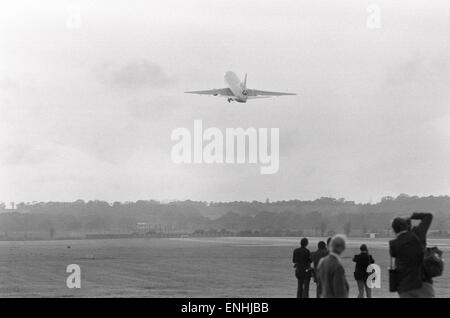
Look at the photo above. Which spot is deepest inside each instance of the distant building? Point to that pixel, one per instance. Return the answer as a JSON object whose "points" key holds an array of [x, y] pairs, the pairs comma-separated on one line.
{"points": [[143, 227]]}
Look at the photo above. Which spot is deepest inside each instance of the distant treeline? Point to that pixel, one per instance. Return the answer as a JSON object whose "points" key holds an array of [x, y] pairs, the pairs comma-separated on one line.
{"points": [[323, 216]]}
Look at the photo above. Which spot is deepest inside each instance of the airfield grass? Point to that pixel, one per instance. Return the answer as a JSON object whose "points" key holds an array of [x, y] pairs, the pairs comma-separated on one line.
{"points": [[186, 267]]}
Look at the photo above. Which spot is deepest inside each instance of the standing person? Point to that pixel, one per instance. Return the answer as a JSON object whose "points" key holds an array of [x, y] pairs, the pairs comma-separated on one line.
{"points": [[328, 243], [321, 252], [332, 272], [302, 264], [408, 250], [363, 260]]}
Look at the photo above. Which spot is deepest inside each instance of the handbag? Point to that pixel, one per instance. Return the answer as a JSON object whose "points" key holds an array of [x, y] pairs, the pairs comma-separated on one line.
{"points": [[393, 278], [433, 264]]}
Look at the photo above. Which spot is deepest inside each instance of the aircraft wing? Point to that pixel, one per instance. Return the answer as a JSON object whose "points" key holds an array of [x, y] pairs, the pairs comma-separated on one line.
{"points": [[220, 91], [255, 92], [258, 97]]}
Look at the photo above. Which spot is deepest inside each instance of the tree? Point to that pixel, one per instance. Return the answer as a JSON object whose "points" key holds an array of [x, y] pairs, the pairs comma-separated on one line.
{"points": [[347, 228], [365, 230], [323, 228]]}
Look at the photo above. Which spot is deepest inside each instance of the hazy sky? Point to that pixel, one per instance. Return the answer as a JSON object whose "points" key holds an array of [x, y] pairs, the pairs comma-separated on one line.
{"points": [[87, 106]]}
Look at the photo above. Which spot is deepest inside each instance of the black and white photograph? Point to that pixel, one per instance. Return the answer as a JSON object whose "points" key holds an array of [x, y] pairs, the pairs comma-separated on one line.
{"points": [[224, 149]]}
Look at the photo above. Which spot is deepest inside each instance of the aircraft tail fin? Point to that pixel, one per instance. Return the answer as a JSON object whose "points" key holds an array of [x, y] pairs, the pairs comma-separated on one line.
{"points": [[245, 81]]}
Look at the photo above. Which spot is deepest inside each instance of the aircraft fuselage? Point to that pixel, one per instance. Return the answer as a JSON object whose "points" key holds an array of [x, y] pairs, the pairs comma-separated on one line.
{"points": [[236, 86]]}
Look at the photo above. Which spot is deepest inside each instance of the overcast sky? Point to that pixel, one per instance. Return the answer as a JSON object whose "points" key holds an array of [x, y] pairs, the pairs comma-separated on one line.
{"points": [[87, 106]]}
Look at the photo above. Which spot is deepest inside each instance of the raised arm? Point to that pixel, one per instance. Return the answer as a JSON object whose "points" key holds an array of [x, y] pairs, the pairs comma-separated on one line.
{"points": [[425, 222]]}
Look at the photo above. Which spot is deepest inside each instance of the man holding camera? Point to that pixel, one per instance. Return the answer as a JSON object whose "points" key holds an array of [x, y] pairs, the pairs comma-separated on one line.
{"points": [[408, 250]]}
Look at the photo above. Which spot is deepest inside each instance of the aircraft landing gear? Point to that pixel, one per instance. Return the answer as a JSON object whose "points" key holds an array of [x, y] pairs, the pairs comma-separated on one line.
{"points": [[229, 100]]}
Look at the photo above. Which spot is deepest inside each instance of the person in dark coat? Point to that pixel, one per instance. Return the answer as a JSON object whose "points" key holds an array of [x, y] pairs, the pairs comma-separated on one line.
{"points": [[363, 260], [408, 250], [302, 263], [321, 252], [331, 272]]}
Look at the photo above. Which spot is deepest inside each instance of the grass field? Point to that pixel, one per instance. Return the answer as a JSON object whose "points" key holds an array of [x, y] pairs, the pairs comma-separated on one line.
{"points": [[185, 267]]}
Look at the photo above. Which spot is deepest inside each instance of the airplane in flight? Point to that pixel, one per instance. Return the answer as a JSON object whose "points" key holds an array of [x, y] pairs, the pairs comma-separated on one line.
{"points": [[237, 90]]}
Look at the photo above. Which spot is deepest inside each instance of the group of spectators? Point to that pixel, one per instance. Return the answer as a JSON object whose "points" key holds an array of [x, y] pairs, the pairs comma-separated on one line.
{"points": [[326, 269]]}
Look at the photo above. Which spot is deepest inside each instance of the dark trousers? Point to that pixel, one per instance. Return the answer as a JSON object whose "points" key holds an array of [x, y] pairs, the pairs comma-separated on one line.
{"points": [[362, 286], [318, 289], [303, 287]]}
